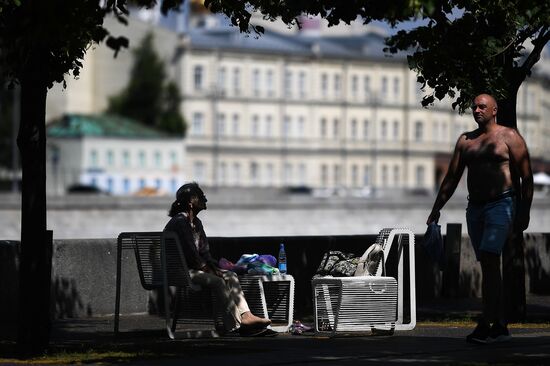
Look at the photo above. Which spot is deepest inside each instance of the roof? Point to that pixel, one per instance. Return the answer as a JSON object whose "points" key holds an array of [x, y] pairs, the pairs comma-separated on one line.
{"points": [[81, 125], [364, 46]]}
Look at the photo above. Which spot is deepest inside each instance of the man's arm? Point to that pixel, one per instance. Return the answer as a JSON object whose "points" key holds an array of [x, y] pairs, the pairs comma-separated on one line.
{"points": [[520, 165], [448, 186]]}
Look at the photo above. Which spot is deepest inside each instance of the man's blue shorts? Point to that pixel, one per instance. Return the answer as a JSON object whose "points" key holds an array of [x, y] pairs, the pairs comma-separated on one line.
{"points": [[490, 223]]}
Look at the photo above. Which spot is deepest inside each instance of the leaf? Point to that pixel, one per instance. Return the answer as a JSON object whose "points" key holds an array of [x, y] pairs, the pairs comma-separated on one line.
{"points": [[117, 43]]}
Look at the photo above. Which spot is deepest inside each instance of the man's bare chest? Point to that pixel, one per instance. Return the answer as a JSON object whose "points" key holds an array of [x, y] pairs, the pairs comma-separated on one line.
{"points": [[485, 150]]}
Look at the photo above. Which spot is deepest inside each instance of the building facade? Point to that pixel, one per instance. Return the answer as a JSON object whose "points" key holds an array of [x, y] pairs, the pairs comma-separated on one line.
{"points": [[297, 109], [116, 155], [325, 112]]}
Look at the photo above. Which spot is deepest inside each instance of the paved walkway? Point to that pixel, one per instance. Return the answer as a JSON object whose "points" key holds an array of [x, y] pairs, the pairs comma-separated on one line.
{"points": [[426, 344], [429, 343]]}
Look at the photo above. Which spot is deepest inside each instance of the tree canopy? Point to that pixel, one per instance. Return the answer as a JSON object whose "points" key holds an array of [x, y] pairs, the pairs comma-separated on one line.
{"points": [[148, 98], [459, 48]]}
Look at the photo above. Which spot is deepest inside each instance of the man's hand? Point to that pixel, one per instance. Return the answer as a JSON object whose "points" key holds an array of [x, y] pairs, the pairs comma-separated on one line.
{"points": [[521, 223], [434, 216]]}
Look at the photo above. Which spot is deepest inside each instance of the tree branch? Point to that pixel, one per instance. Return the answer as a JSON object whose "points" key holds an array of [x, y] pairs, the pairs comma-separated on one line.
{"points": [[534, 56]]}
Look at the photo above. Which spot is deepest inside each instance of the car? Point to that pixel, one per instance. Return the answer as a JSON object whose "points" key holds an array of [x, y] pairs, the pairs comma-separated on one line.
{"points": [[84, 189]]}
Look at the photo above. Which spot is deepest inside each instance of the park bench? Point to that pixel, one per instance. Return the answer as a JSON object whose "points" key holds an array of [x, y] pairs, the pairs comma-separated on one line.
{"points": [[368, 303], [162, 266]]}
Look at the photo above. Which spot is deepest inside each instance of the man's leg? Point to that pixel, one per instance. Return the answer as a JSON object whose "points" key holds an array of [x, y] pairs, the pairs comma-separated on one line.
{"points": [[476, 222], [491, 287]]}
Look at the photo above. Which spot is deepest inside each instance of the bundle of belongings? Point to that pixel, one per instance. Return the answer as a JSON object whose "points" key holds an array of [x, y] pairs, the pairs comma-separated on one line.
{"points": [[264, 264], [339, 264]]}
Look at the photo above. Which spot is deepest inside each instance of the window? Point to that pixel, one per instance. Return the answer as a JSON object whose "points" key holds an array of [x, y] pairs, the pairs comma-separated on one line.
{"points": [[268, 126], [366, 87], [288, 83], [396, 88], [384, 88], [324, 175], [126, 158], [396, 176], [335, 128], [301, 127], [173, 158], [384, 175], [366, 127], [353, 129], [199, 171], [198, 77], [269, 174], [220, 124], [236, 81], [366, 175], [323, 128], [435, 132], [254, 173], [236, 173], [142, 183], [93, 158], [354, 175], [354, 86], [255, 127], [142, 159], [302, 84], [384, 130], [287, 126], [256, 82], [158, 159], [126, 185], [158, 183], [337, 86], [174, 185], [110, 185], [197, 124], [287, 177], [110, 158], [235, 125], [396, 130], [221, 79], [324, 85], [444, 132], [419, 175], [337, 170], [222, 173], [418, 131], [302, 174], [269, 83]]}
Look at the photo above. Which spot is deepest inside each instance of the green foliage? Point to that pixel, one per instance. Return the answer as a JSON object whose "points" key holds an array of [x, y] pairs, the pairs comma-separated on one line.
{"points": [[464, 48], [146, 98], [171, 119], [58, 32], [475, 47]]}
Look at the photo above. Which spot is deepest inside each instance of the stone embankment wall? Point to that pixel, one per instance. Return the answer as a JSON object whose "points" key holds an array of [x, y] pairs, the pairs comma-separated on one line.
{"points": [[84, 271]]}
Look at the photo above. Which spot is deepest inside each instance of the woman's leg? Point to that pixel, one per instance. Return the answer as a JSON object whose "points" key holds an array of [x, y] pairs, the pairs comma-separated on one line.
{"points": [[223, 303]]}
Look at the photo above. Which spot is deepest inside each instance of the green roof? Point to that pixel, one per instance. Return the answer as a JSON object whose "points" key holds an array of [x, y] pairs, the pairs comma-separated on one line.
{"points": [[81, 125]]}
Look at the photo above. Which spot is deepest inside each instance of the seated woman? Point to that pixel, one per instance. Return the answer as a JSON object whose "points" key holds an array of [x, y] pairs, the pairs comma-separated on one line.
{"points": [[203, 269]]}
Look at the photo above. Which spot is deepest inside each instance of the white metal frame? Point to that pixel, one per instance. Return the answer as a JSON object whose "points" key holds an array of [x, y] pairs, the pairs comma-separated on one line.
{"points": [[357, 289], [255, 293]]}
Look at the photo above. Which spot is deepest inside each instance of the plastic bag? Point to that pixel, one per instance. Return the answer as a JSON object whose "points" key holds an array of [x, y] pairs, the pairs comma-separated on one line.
{"points": [[433, 244]]}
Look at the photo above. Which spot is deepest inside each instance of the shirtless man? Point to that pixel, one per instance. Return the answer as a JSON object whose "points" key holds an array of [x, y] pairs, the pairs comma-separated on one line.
{"points": [[500, 187]]}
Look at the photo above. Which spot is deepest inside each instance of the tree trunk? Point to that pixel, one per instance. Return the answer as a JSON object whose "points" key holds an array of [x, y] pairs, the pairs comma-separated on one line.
{"points": [[513, 256], [35, 252], [507, 114]]}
